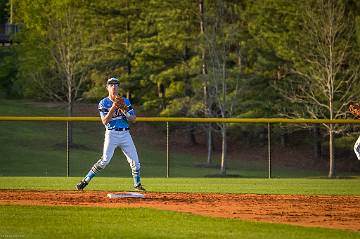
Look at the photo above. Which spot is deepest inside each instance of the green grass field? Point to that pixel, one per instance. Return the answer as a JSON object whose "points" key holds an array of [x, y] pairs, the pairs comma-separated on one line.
{"points": [[48, 222]]}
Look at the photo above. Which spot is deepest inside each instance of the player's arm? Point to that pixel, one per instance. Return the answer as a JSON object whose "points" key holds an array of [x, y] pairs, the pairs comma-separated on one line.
{"points": [[106, 118], [130, 115], [129, 111], [131, 118]]}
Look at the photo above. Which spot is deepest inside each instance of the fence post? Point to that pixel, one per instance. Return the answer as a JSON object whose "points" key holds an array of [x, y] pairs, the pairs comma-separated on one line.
{"points": [[67, 150], [167, 151], [269, 150]]}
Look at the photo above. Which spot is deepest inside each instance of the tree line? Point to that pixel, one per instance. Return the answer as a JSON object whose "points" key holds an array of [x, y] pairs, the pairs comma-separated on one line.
{"points": [[203, 58]]}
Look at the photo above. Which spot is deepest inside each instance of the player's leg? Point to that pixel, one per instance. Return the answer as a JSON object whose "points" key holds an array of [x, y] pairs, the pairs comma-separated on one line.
{"points": [[108, 151], [357, 148], [128, 148]]}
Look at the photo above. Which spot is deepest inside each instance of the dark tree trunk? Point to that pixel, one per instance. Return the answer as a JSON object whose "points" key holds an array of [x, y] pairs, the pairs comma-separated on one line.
{"points": [[317, 141]]}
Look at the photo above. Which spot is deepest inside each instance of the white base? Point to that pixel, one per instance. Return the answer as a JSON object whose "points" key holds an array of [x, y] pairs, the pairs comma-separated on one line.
{"points": [[125, 195]]}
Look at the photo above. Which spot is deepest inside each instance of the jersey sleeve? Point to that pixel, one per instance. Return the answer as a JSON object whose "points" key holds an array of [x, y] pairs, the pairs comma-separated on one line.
{"points": [[131, 110], [102, 109]]}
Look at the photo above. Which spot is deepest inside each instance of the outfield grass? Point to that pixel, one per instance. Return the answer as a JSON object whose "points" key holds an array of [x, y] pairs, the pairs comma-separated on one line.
{"points": [[213, 185], [48, 222]]}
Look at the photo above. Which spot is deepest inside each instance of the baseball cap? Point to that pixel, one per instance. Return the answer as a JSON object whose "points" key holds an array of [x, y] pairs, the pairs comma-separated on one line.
{"points": [[112, 80]]}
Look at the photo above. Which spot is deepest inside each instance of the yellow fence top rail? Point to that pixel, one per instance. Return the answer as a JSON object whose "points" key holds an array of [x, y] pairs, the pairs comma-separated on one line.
{"points": [[194, 120]]}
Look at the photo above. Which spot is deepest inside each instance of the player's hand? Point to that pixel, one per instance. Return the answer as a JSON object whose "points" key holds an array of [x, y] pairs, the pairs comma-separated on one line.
{"points": [[114, 106], [120, 103], [354, 109]]}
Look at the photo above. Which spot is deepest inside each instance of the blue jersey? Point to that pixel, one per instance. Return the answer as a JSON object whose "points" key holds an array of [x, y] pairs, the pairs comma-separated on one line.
{"points": [[118, 119]]}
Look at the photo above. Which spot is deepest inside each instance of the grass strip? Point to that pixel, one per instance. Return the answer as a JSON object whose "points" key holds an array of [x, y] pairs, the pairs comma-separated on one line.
{"points": [[76, 222], [204, 185]]}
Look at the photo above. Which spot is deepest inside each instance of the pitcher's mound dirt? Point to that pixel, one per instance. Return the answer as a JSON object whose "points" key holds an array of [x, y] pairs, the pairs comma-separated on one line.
{"points": [[341, 212]]}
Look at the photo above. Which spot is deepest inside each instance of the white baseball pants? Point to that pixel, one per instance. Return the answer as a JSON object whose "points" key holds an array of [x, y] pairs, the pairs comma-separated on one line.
{"points": [[122, 139], [357, 148]]}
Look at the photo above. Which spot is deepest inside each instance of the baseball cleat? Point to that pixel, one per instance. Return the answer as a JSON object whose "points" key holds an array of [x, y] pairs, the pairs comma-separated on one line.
{"points": [[139, 188], [80, 186]]}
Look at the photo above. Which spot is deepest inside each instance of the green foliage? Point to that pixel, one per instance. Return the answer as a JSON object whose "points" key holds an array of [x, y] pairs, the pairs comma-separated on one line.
{"points": [[295, 36], [155, 48], [54, 37], [4, 13], [8, 71]]}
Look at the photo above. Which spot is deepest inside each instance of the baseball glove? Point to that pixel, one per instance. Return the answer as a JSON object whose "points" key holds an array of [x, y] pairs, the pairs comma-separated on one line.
{"points": [[120, 103], [354, 109]]}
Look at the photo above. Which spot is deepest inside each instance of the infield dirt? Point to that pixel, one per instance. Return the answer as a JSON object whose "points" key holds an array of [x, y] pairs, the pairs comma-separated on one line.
{"points": [[340, 212]]}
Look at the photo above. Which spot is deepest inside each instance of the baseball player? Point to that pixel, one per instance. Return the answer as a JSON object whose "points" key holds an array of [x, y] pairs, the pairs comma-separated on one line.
{"points": [[354, 108], [357, 148], [115, 112]]}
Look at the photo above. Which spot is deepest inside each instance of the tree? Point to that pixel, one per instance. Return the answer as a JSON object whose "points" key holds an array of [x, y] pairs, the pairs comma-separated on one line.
{"points": [[4, 14], [67, 36], [117, 30], [55, 39], [325, 72], [171, 60], [8, 59], [204, 77], [223, 61]]}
